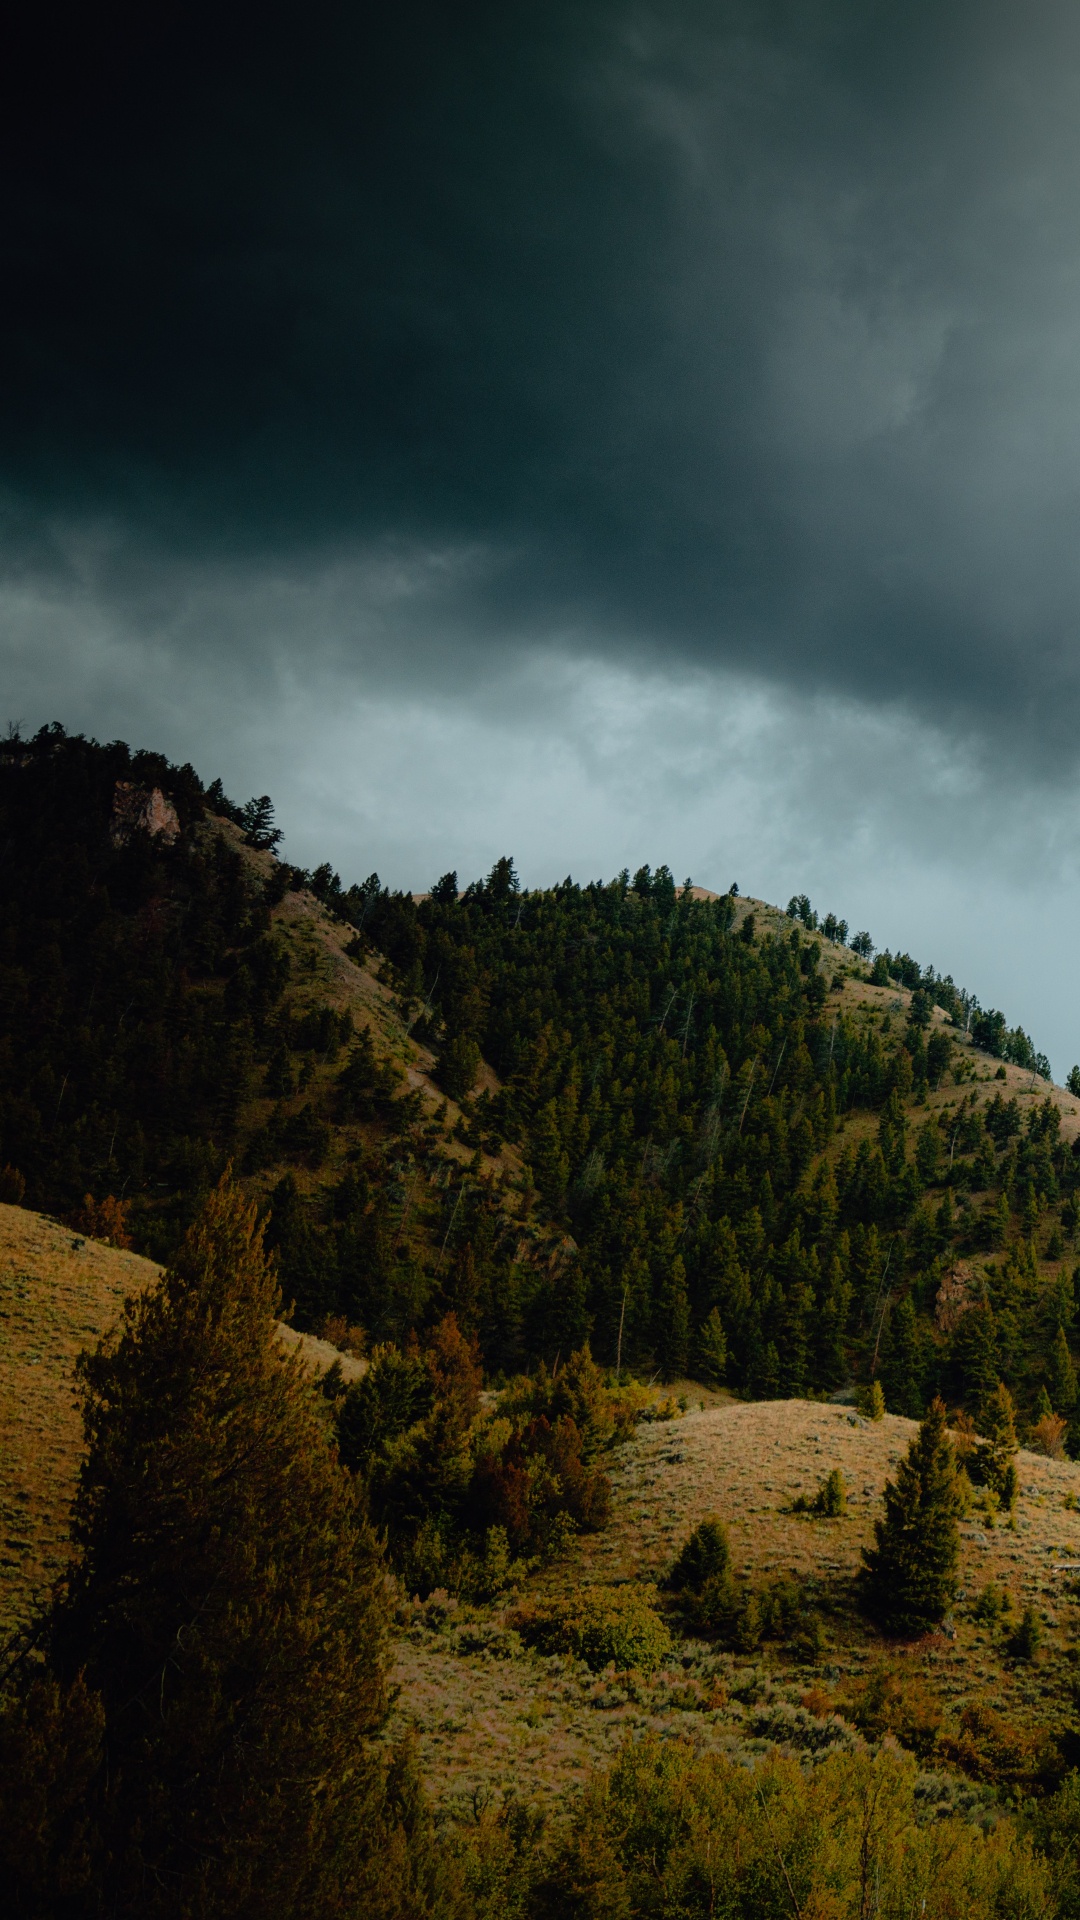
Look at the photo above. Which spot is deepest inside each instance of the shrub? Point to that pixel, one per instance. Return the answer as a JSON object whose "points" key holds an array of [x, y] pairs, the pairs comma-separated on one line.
{"points": [[603, 1414], [1055, 1827], [989, 1747], [598, 1625], [673, 1831], [1025, 1641], [712, 1603], [995, 1460], [830, 1500], [990, 1605], [870, 1400], [899, 1704], [446, 1479], [1047, 1436], [104, 1220]]}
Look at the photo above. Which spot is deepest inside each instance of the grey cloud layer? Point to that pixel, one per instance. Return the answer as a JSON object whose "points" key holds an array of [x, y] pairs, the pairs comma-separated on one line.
{"points": [[733, 336]]}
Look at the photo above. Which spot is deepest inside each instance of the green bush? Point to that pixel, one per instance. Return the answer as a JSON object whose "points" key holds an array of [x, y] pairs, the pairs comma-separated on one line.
{"points": [[598, 1625], [832, 1496], [870, 1400], [990, 1605], [830, 1500]]}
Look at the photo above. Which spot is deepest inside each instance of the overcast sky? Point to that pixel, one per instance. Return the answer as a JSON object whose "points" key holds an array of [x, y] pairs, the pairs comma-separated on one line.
{"points": [[595, 432]]}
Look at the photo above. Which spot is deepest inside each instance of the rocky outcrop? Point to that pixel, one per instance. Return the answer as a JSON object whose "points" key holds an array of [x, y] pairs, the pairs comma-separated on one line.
{"points": [[142, 810]]}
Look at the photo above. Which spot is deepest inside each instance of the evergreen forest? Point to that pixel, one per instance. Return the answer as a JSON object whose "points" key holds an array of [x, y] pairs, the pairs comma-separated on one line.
{"points": [[668, 1129]]}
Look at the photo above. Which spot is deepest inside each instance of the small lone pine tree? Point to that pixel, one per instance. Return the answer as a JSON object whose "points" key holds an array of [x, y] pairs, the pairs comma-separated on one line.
{"points": [[703, 1579], [996, 1459], [908, 1576], [870, 1400], [831, 1497]]}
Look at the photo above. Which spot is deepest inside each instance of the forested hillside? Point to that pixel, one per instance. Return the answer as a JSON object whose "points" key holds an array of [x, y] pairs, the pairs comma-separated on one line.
{"points": [[522, 1156], [695, 1131]]}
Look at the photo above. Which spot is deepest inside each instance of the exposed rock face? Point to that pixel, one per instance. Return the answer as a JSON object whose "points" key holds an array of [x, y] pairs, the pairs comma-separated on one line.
{"points": [[142, 810]]}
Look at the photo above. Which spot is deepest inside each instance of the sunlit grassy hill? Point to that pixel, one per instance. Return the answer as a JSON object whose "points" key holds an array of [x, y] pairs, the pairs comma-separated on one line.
{"points": [[490, 1715]]}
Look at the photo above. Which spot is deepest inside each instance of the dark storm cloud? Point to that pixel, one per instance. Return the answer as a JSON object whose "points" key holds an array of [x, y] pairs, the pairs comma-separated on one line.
{"points": [[742, 335]]}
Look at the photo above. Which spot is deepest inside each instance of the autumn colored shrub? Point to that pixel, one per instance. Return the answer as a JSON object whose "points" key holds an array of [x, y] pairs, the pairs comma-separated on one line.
{"points": [[104, 1220], [1048, 1435], [12, 1187], [444, 1476], [347, 1339], [991, 1747], [890, 1701]]}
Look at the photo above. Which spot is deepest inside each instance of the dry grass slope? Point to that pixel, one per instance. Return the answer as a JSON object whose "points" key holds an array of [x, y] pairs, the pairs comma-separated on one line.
{"points": [[58, 1294], [537, 1726]]}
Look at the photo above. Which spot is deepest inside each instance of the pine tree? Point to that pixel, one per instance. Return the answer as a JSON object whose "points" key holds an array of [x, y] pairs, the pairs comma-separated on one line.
{"points": [[712, 1349], [794, 1341], [975, 1357], [996, 1460], [900, 1361], [1062, 1374], [909, 1575], [200, 1744], [870, 1400], [257, 820], [830, 1364], [672, 1339]]}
